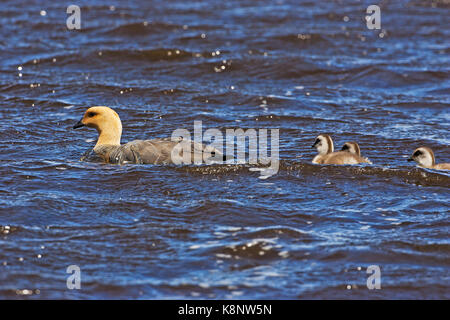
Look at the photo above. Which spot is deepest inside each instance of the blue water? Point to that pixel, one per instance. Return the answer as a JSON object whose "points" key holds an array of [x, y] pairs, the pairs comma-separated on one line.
{"points": [[220, 231]]}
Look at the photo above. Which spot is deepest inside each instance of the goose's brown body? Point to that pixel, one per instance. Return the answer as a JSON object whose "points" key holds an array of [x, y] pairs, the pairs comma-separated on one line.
{"points": [[156, 151]]}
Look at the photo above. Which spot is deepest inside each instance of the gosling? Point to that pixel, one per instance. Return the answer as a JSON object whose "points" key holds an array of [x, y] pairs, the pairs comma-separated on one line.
{"points": [[353, 147], [325, 148], [424, 157]]}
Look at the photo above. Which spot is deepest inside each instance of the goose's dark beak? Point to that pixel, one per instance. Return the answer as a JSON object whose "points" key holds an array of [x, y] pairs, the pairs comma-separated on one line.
{"points": [[410, 159], [79, 124]]}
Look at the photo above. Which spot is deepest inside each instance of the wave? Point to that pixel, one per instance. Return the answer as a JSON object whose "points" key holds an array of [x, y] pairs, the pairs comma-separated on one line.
{"points": [[99, 57], [151, 27], [417, 176]]}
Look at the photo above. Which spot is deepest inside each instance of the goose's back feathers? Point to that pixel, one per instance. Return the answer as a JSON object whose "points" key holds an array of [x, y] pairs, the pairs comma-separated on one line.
{"points": [[156, 151]]}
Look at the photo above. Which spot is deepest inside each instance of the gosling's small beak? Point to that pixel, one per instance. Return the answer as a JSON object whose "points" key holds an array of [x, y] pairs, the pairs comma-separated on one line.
{"points": [[314, 145], [79, 124], [410, 159]]}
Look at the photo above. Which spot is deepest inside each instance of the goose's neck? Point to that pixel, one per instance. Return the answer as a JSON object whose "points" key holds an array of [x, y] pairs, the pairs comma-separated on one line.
{"points": [[329, 148], [109, 135]]}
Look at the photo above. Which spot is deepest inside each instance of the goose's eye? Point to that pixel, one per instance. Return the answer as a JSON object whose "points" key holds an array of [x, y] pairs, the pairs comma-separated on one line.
{"points": [[345, 147], [91, 114], [417, 153]]}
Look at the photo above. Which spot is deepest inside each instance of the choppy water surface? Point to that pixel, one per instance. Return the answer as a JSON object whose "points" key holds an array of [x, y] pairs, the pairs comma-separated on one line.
{"points": [[144, 231]]}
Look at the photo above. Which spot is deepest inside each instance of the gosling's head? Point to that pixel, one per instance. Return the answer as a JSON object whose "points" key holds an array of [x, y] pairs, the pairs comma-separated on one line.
{"points": [[106, 121], [323, 144], [351, 147], [423, 156]]}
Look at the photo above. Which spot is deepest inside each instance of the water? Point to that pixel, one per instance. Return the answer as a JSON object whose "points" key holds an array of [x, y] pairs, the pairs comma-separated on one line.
{"points": [[143, 231]]}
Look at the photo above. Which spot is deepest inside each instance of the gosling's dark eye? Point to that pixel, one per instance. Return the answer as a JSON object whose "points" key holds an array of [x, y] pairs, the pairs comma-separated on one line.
{"points": [[417, 153], [345, 147], [316, 142], [91, 114]]}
